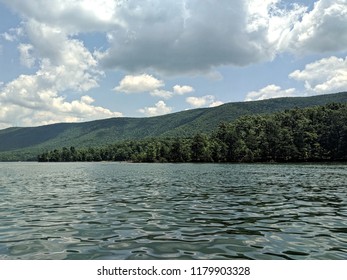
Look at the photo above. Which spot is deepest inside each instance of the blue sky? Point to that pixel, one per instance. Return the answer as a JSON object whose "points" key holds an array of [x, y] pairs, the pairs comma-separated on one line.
{"points": [[72, 61]]}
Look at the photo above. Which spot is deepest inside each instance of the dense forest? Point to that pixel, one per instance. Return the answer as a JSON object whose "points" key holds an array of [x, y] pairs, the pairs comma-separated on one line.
{"points": [[297, 135]]}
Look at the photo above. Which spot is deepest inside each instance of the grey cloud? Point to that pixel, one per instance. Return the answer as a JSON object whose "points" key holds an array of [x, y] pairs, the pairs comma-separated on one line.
{"points": [[190, 36], [185, 37], [197, 36]]}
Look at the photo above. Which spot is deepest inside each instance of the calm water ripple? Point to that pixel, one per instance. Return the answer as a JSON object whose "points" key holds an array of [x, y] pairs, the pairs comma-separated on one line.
{"points": [[172, 211]]}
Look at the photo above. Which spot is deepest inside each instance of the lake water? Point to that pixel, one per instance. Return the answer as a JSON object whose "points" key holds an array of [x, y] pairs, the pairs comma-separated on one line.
{"points": [[172, 211]]}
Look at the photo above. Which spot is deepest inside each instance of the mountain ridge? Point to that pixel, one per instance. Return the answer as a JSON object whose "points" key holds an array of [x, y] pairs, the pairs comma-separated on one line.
{"points": [[23, 143]]}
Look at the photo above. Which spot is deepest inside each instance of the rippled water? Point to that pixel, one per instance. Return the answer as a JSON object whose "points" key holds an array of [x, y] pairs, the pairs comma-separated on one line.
{"points": [[172, 211]]}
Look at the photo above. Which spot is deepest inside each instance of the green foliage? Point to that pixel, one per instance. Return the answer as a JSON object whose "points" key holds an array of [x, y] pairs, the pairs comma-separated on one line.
{"points": [[313, 134]]}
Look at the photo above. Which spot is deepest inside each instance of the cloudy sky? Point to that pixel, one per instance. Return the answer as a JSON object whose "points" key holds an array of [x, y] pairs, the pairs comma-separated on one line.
{"points": [[80, 60]]}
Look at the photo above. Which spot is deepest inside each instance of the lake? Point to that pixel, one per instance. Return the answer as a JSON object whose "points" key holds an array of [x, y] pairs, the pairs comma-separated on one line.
{"points": [[173, 211]]}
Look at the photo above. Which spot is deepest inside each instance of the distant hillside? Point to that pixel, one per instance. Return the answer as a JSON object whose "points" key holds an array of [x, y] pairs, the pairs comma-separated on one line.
{"points": [[26, 143]]}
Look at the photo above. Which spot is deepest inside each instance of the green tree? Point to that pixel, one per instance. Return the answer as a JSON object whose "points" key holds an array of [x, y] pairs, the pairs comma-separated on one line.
{"points": [[200, 151], [179, 151]]}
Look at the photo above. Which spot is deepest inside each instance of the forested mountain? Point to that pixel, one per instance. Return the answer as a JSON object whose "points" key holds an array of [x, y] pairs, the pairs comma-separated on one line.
{"points": [[313, 134], [26, 143]]}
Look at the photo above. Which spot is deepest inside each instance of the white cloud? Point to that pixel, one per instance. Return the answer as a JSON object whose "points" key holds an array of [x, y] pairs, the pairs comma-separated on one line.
{"points": [[324, 76], [204, 101], [199, 101], [161, 93], [281, 24], [8, 37], [321, 30], [180, 90], [216, 104], [266, 18], [26, 57], [147, 83], [32, 100], [270, 91], [65, 65], [160, 108], [54, 47], [139, 83], [13, 34]]}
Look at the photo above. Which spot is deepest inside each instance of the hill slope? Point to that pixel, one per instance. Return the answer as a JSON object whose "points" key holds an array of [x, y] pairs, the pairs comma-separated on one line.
{"points": [[26, 143]]}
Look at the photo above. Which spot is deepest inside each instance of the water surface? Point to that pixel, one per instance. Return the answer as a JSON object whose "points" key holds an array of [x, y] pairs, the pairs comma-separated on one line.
{"points": [[172, 211]]}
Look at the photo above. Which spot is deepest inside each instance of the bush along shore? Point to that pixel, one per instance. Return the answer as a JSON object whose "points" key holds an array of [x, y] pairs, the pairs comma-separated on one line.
{"points": [[298, 135]]}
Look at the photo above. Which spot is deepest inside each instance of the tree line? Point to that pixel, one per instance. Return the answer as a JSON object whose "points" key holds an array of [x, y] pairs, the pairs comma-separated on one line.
{"points": [[297, 135]]}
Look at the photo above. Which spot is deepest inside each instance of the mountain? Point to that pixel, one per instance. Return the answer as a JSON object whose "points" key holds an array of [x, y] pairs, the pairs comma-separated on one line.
{"points": [[24, 143]]}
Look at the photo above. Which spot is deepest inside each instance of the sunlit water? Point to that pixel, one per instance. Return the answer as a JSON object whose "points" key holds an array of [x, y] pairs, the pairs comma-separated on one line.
{"points": [[172, 211]]}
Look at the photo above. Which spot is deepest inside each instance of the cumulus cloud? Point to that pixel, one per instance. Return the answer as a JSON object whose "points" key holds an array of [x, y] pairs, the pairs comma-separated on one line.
{"points": [[190, 36], [32, 100], [180, 90], [147, 83], [203, 101], [324, 76], [64, 65], [270, 91], [160, 108], [197, 36], [270, 20], [321, 30], [139, 83]]}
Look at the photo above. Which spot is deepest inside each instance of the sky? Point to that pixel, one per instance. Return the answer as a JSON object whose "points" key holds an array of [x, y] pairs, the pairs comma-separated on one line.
{"points": [[81, 60]]}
